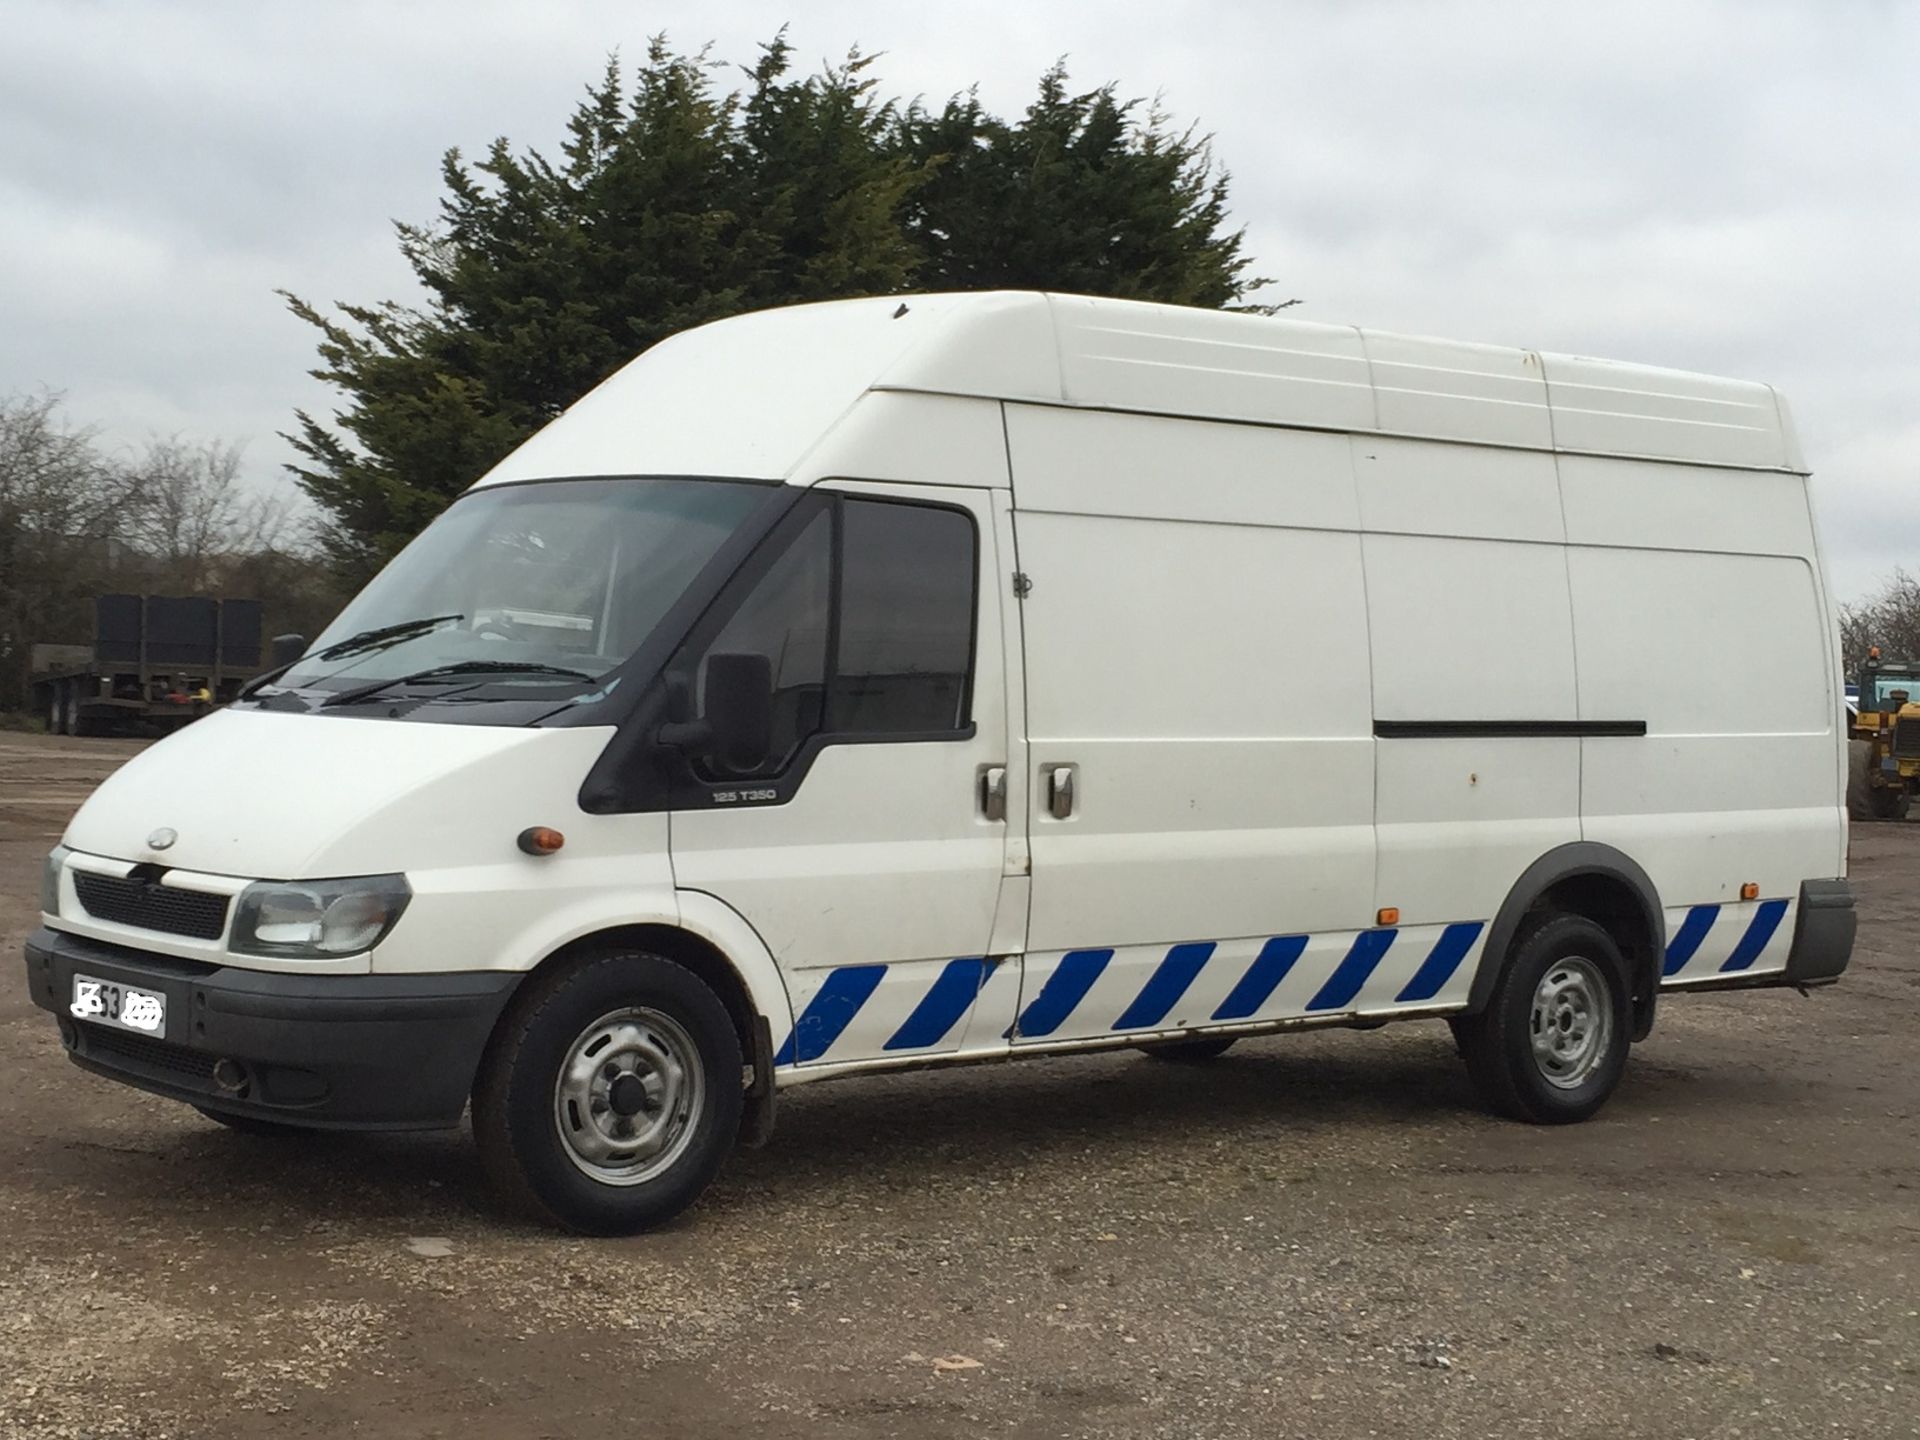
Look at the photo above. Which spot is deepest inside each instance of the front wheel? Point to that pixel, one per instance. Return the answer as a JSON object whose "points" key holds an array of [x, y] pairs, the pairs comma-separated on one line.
{"points": [[610, 1094], [1552, 1043]]}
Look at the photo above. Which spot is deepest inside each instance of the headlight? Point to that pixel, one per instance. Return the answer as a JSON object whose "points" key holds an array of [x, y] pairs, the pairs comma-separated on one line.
{"points": [[315, 919], [50, 880]]}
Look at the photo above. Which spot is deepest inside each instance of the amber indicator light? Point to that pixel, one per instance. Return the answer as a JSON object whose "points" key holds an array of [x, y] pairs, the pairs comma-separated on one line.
{"points": [[1749, 891], [541, 840], [1389, 915]]}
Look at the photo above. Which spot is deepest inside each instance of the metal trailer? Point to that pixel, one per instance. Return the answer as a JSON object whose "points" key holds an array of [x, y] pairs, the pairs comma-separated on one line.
{"points": [[156, 660]]}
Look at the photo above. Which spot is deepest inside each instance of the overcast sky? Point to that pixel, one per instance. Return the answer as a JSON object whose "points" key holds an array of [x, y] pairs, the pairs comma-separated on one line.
{"points": [[1729, 187]]}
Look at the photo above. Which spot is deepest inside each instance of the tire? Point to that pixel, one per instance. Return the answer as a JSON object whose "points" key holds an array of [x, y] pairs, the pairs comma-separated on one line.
{"points": [[1859, 796], [1567, 970], [1889, 803], [550, 1108], [250, 1125], [1196, 1051]]}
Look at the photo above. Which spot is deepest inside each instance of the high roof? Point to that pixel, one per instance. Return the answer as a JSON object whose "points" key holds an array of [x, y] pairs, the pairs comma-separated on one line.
{"points": [[751, 396]]}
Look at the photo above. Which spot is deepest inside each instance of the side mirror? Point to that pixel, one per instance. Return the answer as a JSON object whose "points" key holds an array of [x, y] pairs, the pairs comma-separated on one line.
{"points": [[740, 709], [287, 648], [735, 727]]}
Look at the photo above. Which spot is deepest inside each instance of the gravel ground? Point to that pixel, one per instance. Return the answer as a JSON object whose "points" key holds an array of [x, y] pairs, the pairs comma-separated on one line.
{"points": [[1315, 1236]]}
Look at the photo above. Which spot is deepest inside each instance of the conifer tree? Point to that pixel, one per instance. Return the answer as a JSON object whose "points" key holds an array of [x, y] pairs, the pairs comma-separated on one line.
{"points": [[674, 201]]}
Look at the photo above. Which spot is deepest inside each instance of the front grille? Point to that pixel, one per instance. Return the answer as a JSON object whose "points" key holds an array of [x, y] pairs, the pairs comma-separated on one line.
{"points": [[1906, 735], [98, 1042], [146, 906]]}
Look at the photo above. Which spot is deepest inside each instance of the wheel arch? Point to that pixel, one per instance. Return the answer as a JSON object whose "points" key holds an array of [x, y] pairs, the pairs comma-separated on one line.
{"points": [[685, 949], [718, 946], [1584, 877]]}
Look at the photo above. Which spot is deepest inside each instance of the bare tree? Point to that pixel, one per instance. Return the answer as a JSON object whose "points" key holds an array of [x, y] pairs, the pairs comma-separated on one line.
{"points": [[193, 516], [65, 513], [1889, 618], [175, 518]]}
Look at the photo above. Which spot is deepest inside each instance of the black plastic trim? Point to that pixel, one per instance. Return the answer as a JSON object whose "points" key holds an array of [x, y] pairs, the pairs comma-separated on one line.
{"points": [[756, 1121], [1502, 729], [341, 1052], [1823, 932], [1567, 862]]}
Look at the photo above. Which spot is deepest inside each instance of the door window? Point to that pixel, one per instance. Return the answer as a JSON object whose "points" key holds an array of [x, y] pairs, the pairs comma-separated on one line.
{"points": [[866, 622], [785, 617], [906, 620]]}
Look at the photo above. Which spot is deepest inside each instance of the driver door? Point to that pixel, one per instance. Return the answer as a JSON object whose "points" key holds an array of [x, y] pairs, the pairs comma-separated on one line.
{"points": [[869, 846]]}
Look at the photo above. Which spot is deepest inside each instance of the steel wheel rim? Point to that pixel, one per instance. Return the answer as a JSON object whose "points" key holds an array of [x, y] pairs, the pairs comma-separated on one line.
{"points": [[628, 1095], [1571, 1022]]}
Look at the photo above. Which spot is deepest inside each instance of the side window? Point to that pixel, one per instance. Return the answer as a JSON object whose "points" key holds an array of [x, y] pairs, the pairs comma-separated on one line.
{"points": [[907, 575], [887, 650], [785, 618]]}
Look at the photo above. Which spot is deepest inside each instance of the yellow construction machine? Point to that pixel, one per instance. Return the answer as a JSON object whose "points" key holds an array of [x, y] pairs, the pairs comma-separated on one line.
{"points": [[1884, 758]]}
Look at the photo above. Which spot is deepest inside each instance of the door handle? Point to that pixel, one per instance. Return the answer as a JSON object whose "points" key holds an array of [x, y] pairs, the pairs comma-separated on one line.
{"points": [[1060, 791], [993, 792]]}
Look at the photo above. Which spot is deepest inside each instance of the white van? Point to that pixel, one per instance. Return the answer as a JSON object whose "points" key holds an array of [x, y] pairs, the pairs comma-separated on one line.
{"points": [[873, 684]]}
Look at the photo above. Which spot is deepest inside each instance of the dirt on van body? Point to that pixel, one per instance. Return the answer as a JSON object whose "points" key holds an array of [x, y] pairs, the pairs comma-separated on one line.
{"points": [[1315, 1236]]}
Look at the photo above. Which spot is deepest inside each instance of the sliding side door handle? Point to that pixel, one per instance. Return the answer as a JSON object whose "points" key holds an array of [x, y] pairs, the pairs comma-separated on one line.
{"points": [[993, 791], [1060, 791]]}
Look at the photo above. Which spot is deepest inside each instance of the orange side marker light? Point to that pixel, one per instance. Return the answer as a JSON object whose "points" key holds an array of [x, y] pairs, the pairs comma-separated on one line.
{"points": [[541, 840], [1749, 891], [1389, 915]]}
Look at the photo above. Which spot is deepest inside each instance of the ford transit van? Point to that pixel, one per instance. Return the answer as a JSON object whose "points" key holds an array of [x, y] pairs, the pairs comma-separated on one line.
{"points": [[897, 682]]}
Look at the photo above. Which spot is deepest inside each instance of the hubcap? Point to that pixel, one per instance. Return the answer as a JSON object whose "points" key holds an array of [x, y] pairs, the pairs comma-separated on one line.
{"points": [[1572, 1022], [627, 1096]]}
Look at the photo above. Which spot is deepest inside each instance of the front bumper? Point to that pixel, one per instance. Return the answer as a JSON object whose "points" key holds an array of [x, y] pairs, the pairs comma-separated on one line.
{"points": [[349, 1052]]}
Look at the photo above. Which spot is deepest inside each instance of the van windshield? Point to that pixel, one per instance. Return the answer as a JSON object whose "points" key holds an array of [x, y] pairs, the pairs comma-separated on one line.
{"points": [[524, 592]]}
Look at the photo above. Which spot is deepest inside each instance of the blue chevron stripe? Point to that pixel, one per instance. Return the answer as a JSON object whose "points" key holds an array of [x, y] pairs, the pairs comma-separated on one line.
{"points": [[1686, 940], [1760, 930], [1263, 977], [942, 1006], [1445, 957], [829, 1013], [1352, 972], [1066, 987], [1164, 988]]}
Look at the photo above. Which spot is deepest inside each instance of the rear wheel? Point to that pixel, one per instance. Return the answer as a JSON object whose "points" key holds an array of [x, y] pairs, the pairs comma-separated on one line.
{"points": [[1190, 1052], [1552, 1043], [610, 1095], [1890, 802], [1859, 792]]}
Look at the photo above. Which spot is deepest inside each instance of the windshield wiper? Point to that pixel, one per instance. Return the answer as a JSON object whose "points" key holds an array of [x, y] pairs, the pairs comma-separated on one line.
{"points": [[453, 671], [383, 635]]}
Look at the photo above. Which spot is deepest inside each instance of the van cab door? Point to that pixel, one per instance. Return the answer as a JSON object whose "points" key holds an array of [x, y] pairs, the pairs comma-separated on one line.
{"points": [[870, 846]]}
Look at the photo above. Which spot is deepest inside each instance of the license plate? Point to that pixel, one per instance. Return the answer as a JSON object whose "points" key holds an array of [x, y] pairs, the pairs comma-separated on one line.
{"points": [[127, 1007]]}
